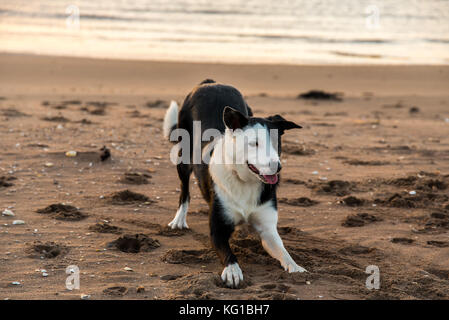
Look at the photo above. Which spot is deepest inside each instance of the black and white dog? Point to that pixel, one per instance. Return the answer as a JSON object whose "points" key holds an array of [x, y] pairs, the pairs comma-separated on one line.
{"points": [[239, 182]]}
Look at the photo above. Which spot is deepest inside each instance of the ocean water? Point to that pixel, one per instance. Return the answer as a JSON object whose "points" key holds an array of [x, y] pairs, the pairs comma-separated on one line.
{"points": [[237, 31]]}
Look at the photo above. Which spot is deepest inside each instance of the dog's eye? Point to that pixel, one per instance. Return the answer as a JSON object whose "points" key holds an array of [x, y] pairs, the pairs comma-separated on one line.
{"points": [[254, 144]]}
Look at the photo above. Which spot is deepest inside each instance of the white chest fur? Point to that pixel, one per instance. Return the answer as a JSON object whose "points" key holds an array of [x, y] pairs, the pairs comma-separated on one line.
{"points": [[239, 198]]}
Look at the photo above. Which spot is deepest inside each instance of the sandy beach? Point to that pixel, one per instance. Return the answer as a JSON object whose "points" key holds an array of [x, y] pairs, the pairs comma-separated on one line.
{"points": [[365, 182]]}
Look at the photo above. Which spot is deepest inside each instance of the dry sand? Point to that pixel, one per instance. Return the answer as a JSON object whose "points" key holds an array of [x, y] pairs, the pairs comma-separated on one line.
{"points": [[366, 182]]}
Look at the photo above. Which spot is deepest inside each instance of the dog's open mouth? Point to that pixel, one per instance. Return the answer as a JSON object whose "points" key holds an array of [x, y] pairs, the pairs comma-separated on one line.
{"points": [[265, 178]]}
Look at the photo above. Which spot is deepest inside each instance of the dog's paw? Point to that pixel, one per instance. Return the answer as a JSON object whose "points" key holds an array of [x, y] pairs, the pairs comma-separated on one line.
{"points": [[293, 267], [178, 224], [180, 221], [232, 275], [290, 266]]}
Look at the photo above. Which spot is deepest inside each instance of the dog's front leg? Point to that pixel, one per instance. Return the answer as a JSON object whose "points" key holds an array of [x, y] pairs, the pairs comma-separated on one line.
{"points": [[265, 222], [221, 230]]}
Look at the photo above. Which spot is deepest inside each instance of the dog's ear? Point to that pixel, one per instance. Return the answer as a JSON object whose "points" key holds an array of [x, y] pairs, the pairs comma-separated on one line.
{"points": [[234, 119], [283, 124]]}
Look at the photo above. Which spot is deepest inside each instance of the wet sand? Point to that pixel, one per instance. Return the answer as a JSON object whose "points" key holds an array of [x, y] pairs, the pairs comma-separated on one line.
{"points": [[365, 182]]}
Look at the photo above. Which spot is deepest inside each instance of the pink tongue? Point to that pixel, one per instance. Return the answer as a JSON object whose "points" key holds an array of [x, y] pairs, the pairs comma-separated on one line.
{"points": [[272, 179]]}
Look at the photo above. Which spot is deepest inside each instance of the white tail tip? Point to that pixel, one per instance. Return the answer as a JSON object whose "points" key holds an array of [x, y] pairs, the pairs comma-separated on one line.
{"points": [[170, 119]]}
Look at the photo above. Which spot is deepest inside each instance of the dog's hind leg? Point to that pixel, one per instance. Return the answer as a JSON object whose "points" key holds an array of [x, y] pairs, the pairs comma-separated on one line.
{"points": [[180, 220], [265, 222]]}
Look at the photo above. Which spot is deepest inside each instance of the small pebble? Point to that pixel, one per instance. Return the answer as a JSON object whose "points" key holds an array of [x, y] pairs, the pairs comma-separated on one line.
{"points": [[71, 153], [85, 296], [7, 213], [140, 289], [412, 193], [16, 283], [128, 269], [17, 222]]}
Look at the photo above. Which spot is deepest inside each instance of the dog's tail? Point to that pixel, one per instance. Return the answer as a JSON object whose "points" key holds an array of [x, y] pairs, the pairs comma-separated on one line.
{"points": [[170, 119]]}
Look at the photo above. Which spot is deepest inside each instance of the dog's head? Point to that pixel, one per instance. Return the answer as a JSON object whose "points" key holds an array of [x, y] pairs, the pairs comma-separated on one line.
{"points": [[254, 144]]}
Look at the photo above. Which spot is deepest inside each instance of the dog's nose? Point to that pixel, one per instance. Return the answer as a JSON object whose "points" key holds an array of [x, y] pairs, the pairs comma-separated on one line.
{"points": [[279, 167], [274, 167]]}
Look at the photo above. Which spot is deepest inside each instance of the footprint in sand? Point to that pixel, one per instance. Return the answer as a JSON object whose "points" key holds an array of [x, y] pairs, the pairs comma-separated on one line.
{"points": [[63, 212], [47, 250], [134, 243]]}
